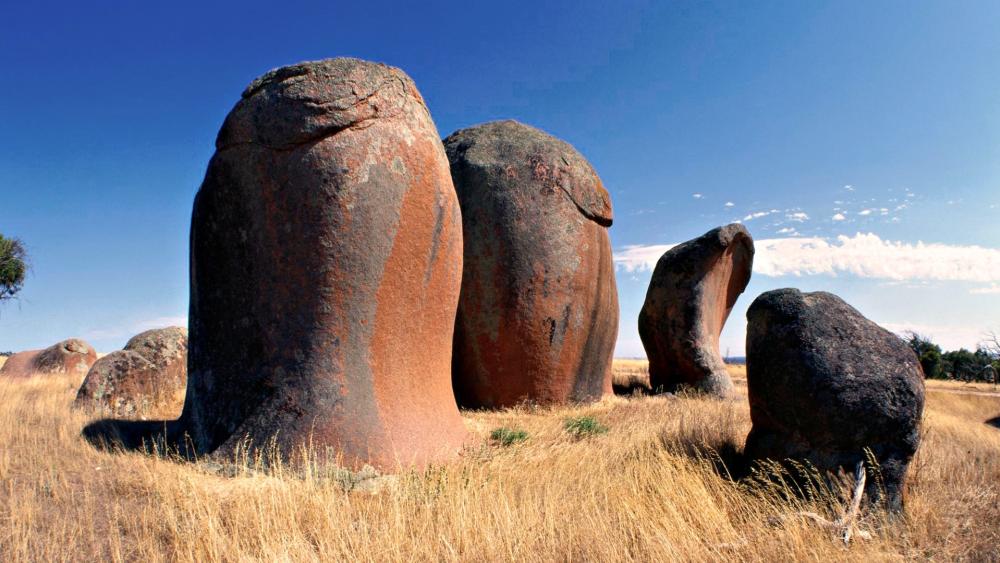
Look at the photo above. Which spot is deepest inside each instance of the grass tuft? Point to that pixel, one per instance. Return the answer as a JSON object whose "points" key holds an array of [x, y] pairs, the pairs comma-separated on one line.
{"points": [[583, 426], [508, 436]]}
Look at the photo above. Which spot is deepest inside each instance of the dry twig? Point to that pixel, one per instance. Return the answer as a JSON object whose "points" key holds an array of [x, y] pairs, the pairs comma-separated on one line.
{"points": [[846, 525]]}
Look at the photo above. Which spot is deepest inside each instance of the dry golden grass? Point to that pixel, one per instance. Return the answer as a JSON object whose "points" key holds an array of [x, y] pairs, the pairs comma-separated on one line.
{"points": [[633, 493]]}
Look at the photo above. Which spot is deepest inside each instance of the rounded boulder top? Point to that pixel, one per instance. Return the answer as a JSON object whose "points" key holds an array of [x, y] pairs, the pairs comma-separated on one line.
{"points": [[498, 147], [538, 311], [71, 356], [296, 104], [160, 345]]}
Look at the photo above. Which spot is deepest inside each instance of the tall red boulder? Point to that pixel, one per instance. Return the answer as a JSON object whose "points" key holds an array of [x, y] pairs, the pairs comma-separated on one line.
{"points": [[538, 314], [326, 260], [72, 357], [691, 293], [145, 380]]}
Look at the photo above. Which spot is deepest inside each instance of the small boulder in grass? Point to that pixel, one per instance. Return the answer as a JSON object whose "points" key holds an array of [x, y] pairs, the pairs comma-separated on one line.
{"points": [[827, 386], [71, 357], [146, 380]]}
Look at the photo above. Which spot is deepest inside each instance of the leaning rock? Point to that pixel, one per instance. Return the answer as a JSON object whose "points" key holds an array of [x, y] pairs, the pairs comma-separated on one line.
{"points": [[144, 381], [326, 253], [690, 295], [825, 383], [71, 357], [538, 314]]}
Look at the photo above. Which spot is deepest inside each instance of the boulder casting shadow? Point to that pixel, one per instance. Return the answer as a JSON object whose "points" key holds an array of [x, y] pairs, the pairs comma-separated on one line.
{"points": [[326, 263], [830, 388]]}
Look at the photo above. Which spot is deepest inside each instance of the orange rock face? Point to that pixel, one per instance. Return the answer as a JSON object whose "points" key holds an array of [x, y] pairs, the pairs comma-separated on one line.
{"points": [[326, 253], [538, 313], [693, 289], [146, 380], [73, 356]]}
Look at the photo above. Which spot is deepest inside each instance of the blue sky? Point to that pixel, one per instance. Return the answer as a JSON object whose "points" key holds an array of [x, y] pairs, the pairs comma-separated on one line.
{"points": [[858, 141]]}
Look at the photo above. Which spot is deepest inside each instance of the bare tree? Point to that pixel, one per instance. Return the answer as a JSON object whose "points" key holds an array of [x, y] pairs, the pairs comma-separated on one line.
{"points": [[991, 344]]}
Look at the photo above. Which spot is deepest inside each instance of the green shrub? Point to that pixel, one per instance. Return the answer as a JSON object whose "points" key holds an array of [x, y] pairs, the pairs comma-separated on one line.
{"points": [[581, 426], [13, 267], [929, 355], [508, 436]]}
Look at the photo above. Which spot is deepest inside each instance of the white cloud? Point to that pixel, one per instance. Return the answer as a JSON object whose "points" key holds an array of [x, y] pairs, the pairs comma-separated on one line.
{"points": [[697, 196], [638, 257], [839, 217], [757, 215], [864, 212], [868, 256], [991, 289], [786, 230], [730, 204], [862, 255], [798, 216], [849, 188]]}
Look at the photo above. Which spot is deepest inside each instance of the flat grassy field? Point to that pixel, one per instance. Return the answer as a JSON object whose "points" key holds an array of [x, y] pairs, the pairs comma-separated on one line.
{"points": [[628, 485]]}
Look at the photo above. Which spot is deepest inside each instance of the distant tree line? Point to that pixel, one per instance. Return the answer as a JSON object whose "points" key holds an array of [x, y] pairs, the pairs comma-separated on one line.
{"points": [[961, 364]]}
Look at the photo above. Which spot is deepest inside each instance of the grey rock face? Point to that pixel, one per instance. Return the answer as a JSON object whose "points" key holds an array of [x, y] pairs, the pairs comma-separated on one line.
{"points": [[693, 288], [145, 380], [825, 383]]}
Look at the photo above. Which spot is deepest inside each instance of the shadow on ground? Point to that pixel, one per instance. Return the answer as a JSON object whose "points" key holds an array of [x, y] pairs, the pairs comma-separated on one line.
{"points": [[726, 457], [995, 422], [631, 389], [148, 436]]}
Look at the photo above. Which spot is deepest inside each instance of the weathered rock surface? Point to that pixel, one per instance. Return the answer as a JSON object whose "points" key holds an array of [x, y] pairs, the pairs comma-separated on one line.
{"points": [[326, 252], [538, 314], [146, 380], [72, 356], [691, 293], [825, 383]]}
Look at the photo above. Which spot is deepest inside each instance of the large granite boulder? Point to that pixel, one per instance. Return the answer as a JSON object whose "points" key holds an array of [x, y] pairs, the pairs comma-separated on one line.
{"points": [[145, 380], [538, 315], [693, 289], [825, 384], [326, 261], [69, 357]]}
